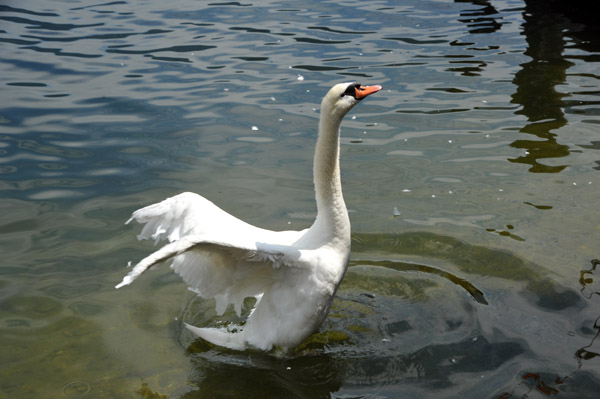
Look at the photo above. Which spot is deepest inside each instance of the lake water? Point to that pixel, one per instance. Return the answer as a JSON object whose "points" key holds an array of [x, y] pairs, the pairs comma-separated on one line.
{"points": [[471, 179]]}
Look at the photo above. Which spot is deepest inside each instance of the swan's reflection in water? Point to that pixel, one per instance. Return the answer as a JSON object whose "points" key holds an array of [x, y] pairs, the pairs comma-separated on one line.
{"points": [[257, 375]]}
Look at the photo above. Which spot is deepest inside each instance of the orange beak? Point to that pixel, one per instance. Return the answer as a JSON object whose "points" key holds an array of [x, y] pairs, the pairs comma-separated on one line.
{"points": [[364, 91]]}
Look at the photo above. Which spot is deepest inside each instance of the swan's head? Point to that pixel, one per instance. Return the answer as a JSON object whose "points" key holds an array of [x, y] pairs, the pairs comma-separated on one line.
{"points": [[342, 97]]}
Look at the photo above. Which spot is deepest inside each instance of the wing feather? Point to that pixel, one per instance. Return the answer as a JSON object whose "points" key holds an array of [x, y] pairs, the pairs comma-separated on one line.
{"points": [[220, 270], [217, 255], [185, 214], [188, 214]]}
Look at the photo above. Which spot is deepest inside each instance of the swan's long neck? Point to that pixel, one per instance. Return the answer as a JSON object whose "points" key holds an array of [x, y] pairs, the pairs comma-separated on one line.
{"points": [[332, 223]]}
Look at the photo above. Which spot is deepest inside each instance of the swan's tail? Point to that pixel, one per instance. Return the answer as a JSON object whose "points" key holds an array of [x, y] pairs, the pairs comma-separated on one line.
{"points": [[220, 337]]}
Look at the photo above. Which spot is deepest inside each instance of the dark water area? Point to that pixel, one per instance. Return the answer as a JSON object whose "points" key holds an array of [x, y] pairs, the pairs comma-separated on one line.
{"points": [[470, 180]]}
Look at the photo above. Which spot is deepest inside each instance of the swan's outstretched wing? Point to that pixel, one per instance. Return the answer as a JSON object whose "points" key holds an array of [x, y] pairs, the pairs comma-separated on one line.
{"points": [[191, 214], [187, 214], [221, 270], [218, 255]]}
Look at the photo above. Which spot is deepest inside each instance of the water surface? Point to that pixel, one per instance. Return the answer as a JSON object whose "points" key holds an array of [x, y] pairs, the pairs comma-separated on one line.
{"points": [[471, 181]]}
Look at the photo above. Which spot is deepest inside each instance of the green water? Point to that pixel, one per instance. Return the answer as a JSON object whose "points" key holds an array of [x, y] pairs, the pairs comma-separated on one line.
{"points": [[471, 181]]}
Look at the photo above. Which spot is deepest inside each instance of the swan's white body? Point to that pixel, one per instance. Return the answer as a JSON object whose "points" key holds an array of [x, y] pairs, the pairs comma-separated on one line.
{"points": [[293, 274]]}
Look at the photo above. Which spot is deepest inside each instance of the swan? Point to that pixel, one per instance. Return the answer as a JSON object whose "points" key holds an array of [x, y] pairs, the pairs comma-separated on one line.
{"points": [[293, 274]]}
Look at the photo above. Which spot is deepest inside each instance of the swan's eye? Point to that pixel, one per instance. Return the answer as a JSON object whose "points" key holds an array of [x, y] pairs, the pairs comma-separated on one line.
{"points": [[351, 90]]}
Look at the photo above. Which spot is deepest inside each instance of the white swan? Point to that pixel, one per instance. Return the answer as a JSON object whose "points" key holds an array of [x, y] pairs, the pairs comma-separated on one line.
{"points": [[293, 274]]}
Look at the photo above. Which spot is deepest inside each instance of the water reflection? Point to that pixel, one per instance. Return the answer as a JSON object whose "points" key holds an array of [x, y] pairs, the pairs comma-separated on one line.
{"points": [[590, 289], [537, 92], [484, 19], [538, 82]]}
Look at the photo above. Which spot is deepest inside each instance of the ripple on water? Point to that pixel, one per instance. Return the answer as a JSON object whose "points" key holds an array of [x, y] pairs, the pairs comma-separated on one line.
{"points": [[32, 307], [76, 389], [65, 291]]}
